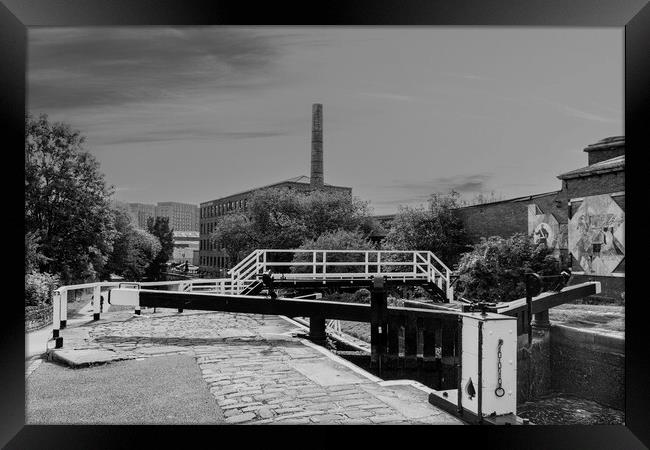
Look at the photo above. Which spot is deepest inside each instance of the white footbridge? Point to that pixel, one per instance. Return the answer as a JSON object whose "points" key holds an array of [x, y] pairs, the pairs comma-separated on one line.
{"points": [[332, 266]]}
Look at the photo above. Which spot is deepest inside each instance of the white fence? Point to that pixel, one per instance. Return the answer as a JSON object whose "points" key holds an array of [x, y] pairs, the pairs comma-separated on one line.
{"points": [[343, 264], [60, 295]]}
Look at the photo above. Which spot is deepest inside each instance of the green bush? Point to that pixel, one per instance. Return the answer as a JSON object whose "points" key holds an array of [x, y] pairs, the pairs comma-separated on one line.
{"points": [[39, 287], [335, 240], [494, 270]]}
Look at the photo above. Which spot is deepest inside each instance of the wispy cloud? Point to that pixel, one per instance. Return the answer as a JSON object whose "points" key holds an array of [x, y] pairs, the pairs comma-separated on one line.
{"points": [[413, 192], [77, 68], [459, 183], [197, 134], [574, 112], [388, 96]]}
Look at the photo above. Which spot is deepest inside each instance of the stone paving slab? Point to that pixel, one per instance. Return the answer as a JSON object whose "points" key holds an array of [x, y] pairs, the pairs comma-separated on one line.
{"points": [[258, 369], [86, 357]]}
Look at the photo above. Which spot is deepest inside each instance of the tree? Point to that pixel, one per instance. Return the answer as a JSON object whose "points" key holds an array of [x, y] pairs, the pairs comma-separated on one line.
{"points": [[494, 270], [134, 250], [335, 240], [66, 201], [145, 247], [235, 234], [159, 227], [34, 259], [285, 218], [435, 228]]}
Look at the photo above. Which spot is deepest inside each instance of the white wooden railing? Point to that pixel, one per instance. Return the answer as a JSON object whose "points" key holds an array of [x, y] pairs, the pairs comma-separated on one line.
{"points": [[303, 264], [60, 295], [329, 264]]}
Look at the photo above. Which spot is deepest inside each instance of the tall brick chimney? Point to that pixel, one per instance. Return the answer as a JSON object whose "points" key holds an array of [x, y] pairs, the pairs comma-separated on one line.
{"points": [[316, 178]]}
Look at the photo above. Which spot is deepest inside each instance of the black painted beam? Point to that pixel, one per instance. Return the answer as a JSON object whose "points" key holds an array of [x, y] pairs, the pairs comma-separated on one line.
{"points": [[546, 301], [355, 312], [255, 305]]}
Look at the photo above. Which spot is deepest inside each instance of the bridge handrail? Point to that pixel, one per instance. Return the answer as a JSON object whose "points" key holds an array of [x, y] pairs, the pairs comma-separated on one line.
{"points": [[424, 264]]}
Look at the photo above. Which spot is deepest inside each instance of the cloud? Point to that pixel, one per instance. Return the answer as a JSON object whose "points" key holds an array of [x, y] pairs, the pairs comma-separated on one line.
{"points": [[188, 134], [459, 183], [388, 196], [573, 112], [388, 96], [94, 67]]}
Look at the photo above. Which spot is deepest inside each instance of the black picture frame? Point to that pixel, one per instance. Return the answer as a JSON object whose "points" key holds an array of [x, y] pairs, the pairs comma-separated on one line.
{"points": [[17, 15]]}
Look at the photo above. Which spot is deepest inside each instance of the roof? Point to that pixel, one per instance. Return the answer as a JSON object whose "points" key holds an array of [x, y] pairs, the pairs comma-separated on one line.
{"points": [[525, 198], [302, 179], [610, 142], [512, 200], [609, 165]]}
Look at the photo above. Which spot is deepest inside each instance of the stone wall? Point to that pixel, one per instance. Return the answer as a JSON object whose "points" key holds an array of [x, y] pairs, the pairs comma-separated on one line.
{"points": [[533, 367], [37, 317], [588, 364], [581, 362]]}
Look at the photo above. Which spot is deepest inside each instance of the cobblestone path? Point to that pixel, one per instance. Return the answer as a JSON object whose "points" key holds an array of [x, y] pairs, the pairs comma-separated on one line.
{"points": [[259, 369]]}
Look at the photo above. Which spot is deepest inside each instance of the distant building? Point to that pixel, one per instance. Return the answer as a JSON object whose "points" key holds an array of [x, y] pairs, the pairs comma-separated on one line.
{"points": [[214, 260], [182, 216], [140, 212], [185, 244]]}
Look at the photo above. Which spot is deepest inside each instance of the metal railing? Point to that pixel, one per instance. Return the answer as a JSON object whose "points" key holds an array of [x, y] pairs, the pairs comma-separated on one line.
{"points": [[343, 264]]}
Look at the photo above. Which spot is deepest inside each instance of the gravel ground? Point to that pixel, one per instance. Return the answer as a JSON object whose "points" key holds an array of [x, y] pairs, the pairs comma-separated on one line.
{"points": [[160, 390]]}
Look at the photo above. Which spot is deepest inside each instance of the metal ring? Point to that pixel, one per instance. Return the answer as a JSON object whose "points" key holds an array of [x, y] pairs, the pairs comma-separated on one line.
{"points": [[499, 392]]}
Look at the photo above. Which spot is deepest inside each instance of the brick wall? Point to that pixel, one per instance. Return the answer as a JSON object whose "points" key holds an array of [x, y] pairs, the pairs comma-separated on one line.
{"points": [[596, 184], [603, 154], [505, 218]]}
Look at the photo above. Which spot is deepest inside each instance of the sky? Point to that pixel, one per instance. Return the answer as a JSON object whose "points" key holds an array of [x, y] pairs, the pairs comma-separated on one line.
{"points": [[191, 114]]}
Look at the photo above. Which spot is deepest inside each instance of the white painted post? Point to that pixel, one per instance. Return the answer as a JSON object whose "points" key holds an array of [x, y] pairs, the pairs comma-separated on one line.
{"points": [[450, 288], [56, 313], [414, 263], [179, 287], [314, 262], [430, 276], [324, 262], [378, 261], [264, 268], [97, 298], [137, 309], [366, 263], [64, 308]]}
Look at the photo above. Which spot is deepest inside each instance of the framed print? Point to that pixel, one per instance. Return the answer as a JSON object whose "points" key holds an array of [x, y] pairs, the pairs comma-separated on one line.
{"points": [[351, 213]]}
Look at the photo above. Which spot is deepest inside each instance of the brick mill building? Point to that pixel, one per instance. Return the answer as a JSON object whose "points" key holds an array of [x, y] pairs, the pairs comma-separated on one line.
{"points": [[215, 261]]}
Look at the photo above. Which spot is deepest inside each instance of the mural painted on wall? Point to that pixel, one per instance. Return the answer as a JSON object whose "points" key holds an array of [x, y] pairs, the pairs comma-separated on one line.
{"points": [[545, 229], [597, 235]]}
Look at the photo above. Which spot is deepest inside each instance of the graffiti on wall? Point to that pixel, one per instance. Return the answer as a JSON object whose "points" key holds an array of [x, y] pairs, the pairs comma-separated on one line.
{"points": [[597, 235], [545, 229]]}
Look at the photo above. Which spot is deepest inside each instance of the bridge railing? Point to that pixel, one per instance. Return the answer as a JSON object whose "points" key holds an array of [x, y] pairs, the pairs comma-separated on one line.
{"points": [[332, 264]]}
